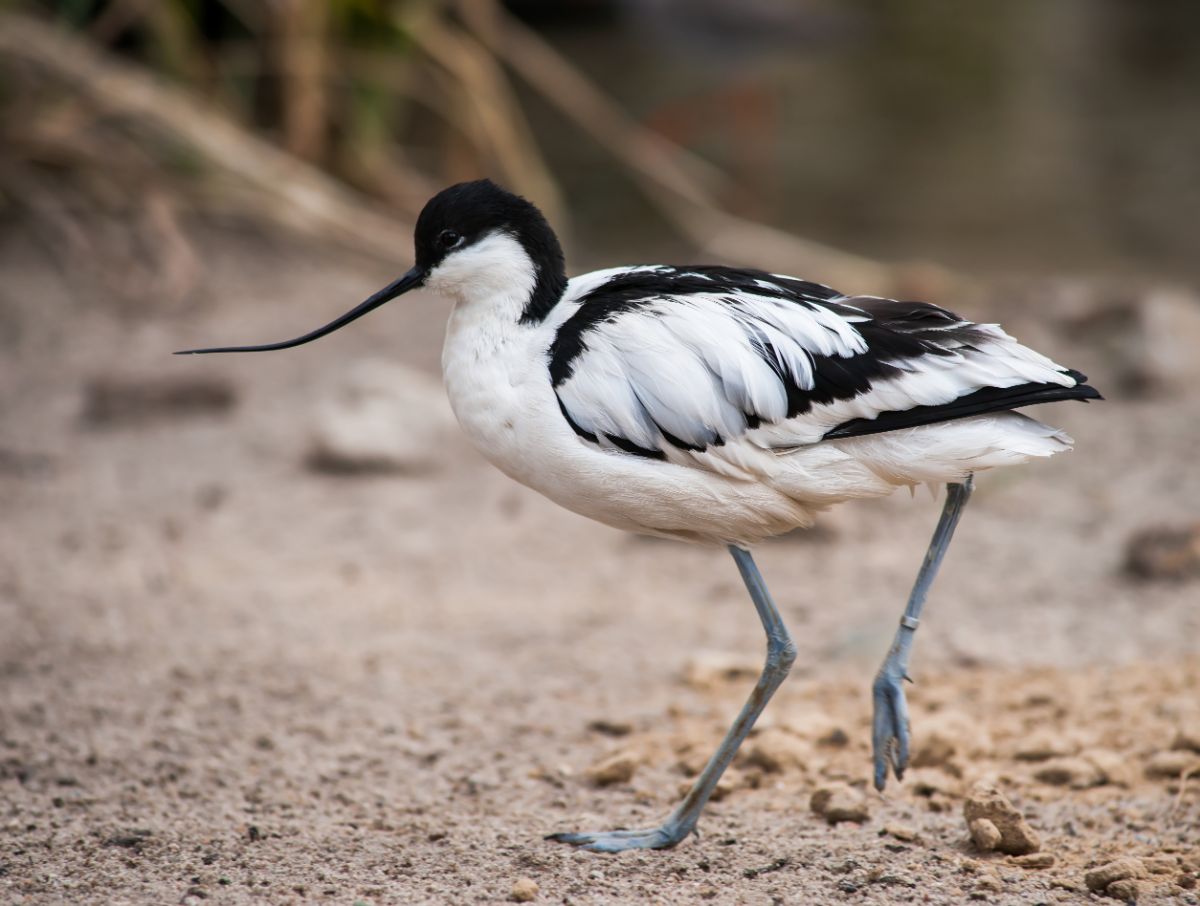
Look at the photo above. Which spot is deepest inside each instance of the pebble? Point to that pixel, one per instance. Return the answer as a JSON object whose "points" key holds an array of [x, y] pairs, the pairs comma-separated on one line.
{"points": [[901, 832], [837, 802], [712, 669], [613, 769], [1160, 865], [1172, 764], [1045, 745], [1077, 773], [989, 884], [1113, 766], [523, 890], [776, 750], [1100, 878], [1187, 738], [379, 416], [1164, 553], [984, 834], [610, 727], [1034, 860], [986, 803], [1127, 890], [134, 401], [930, 782], [944, 738]]}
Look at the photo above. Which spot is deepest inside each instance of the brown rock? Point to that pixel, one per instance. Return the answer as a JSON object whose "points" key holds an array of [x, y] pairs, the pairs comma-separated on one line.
{"points": [[931, 782], [984, 834], [524, 890], [1160, 865], [901, 832], [986, 802], [1187, 737], [989, 884], [1034, 860], [1114, 768], [610, 727], [1126, 890], [1172, 764], [775, 750], [711, 669], [1077, 773], [375, 415], [731, 781], [129, 401], [616, 768], [945, 738], [838, 802], [1045, 745], [1164, 553], [1100, 878]]}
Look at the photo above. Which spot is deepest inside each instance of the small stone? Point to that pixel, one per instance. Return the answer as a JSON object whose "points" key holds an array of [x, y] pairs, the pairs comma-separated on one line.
{"points": [[1164, 553], [1077, 773], [731, 781], [775, 750], [989, 884], [901, 832], [616, 768], [1172, 764], [131, 401], [712, 669], [610, 727], [1100, 878], [1114, 768], [988, 803], [524, 890], [1127, 890], [984, 834], [1034, 860], [945, 738], [931, 782], [838, 802], [1187, 738], [1160, 865], [1045, 745], [379, 416]]}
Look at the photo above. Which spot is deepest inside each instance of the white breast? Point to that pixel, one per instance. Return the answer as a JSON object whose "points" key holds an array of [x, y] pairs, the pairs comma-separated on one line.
{"points": [[498, 383]]}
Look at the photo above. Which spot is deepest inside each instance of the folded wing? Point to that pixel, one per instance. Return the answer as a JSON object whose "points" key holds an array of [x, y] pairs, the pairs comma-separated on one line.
{"points": [[671, 363]]}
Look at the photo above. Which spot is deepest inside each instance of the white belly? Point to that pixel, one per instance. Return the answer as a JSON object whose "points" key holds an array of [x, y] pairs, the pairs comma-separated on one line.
{"points": [[499, 388]]}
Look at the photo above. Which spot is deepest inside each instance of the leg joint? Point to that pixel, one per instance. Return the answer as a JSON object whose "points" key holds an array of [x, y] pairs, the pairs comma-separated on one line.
{"points": [[781, 653]]}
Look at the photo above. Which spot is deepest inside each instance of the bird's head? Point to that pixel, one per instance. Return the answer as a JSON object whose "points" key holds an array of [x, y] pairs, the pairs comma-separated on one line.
{"points": [[476, 244]]}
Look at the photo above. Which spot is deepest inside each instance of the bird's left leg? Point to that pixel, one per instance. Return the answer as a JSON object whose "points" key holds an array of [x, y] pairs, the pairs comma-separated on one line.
{"points": [[890, 735], [781, 653]]}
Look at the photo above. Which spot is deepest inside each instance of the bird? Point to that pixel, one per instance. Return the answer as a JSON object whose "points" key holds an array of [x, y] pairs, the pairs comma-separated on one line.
{"points": [[716, 405]]}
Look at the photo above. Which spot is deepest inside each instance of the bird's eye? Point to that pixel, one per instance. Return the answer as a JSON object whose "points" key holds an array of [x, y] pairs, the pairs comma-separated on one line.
{"points": [[449, 239]]}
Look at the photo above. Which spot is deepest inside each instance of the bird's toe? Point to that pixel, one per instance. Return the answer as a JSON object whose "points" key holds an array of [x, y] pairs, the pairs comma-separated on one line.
{"points": [[890, 739], [620, 840]]}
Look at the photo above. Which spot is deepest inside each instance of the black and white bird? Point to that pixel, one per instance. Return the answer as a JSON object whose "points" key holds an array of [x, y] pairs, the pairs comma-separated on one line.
{"points": [[718, 405]]}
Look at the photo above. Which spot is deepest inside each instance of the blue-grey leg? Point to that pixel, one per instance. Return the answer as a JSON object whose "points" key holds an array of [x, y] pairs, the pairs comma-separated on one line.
{"points": [[890, 735], [781, 652]]}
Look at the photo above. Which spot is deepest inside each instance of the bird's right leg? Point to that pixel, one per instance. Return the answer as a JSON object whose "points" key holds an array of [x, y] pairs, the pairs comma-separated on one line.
{"points": [[781, 653], [890, 734]]}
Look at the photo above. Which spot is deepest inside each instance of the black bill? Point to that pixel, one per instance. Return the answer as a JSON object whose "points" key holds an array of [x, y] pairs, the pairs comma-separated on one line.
{"points": [[411, 280]]}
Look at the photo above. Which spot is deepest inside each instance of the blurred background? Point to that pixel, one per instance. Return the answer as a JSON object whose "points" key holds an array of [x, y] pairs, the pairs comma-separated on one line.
{"points": [[267, 621]]}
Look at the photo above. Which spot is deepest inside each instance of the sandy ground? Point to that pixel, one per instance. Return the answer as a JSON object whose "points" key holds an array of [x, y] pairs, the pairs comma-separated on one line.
{"points": [[228, 677]]}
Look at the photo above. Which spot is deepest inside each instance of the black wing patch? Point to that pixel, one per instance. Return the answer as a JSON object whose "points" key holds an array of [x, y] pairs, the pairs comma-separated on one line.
{"points": [[986, 399]]}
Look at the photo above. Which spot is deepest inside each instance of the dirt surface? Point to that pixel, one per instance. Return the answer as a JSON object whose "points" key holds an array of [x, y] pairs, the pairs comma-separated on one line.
{"points": [[227, 676]]}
